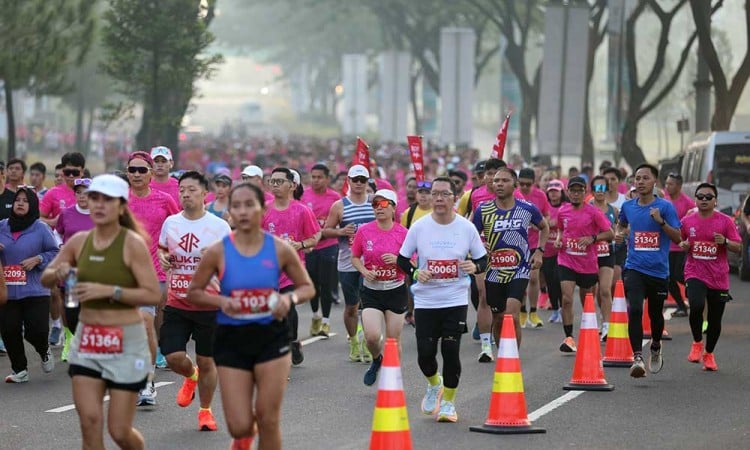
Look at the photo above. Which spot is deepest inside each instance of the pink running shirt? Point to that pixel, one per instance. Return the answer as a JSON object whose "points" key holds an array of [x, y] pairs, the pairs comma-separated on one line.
{"points": [[151, 211], [682, 205], [55, 200], [539, 199], [320, 204], [574, 223], [371, 243], [171, 187], [706, 260]]}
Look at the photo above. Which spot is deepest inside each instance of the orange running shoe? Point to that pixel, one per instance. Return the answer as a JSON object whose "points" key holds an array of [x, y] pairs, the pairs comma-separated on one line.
{"points": [[242, 443], [186, 394], [696, 351], [709, 363], [206, 421]]}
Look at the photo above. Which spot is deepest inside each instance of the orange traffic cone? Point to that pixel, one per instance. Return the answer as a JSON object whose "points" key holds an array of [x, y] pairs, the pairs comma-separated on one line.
{"points": [[618, 352], [588, 373], [670, 300], [507, 413], [390, 423], [646, 323]]}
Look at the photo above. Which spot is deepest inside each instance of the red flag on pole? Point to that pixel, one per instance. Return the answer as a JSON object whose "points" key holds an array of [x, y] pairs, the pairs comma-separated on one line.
{"points": [[362, 157], [499, 148], [417, 156]]}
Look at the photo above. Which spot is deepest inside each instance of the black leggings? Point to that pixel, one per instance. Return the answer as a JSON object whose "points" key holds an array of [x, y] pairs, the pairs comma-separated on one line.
{"points": [[71, 317], [321, 265], [25, 318], [698, 295], [677, 275], [552, 278], [639, 286], [445, 325], [474, 292], [292, 316]]}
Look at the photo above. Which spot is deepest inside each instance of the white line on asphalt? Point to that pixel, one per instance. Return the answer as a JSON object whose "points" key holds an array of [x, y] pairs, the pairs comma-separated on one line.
{"points": [[106, 399], [554, 404], [316, 339]]}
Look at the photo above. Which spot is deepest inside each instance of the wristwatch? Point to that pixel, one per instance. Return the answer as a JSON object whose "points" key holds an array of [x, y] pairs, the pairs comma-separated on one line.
{"points": [[116, 294]]}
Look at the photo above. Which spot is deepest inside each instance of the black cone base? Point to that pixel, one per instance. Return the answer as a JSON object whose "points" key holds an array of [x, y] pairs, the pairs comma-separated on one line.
{"points": [[617, 363], [492, 429], [588, 387]]}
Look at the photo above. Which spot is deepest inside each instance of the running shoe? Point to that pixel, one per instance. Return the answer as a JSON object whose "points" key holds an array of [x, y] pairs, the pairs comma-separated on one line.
{"points": [[522, 318], [535, 321], [54, 336], [486, 354], [605, 331], [705, 326], [431, 400], [161, 360], [568, 345], [447, 412], [315, 326], [186, 394], [206, 421], [147, 396], [681, 312], [709, 363], [48, 362], [366, 355], [354, 354], [638, 369], [67, 339], [543, 301], [20, 377], [2, 347], [696, 351], [555, 317], [372, 373], [656, 362], [325, 330], [245, 443], [475, 332], [297, 356]]}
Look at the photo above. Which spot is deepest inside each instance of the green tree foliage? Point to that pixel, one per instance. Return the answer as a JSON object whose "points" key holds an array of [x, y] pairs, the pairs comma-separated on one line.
{"points": [[39, 40], [156, 51]]}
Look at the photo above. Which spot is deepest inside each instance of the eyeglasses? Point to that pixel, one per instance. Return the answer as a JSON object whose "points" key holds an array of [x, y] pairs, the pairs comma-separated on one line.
{"points": [[424, 185], [277, 181], [360, 180], [381, 204], [705, 197], [138, 169], [71, 172], [600, 188], [83, 182], [444, 194]]}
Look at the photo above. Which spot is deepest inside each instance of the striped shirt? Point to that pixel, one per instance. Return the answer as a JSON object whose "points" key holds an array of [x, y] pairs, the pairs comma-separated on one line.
{"points": [[358, 214]]}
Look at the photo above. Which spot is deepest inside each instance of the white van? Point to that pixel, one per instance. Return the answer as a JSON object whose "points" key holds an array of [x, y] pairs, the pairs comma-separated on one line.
{"points": [[721, 158]]}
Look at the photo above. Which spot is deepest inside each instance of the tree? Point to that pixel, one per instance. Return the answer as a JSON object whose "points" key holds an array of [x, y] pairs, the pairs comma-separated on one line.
{"points": [[155, 52], [39, 39], [597, 31], [726, 94]]}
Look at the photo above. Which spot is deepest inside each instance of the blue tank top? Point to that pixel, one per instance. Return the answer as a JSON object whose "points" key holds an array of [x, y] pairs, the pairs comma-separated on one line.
{"points": [[248, 276], [215, 212]]}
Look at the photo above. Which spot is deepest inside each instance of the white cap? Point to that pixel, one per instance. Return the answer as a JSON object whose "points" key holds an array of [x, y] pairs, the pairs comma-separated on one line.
{"points": [[109, 185], [297, 178], [387, 194], [161, 151], [252, 171], [358, 170]]}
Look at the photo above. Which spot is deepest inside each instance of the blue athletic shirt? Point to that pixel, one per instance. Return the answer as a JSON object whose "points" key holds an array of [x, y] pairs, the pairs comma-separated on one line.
{"points": [[648, 243], [507, 234], [251, 278]]}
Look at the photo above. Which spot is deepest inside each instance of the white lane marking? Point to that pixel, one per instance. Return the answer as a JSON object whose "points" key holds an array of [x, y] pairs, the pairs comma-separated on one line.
{"points": [[554, 404], [316, 339], [106, 399]]}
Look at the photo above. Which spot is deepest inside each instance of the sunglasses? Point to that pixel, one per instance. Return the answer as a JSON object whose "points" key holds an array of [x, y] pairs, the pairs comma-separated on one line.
{"points": [[83, 182], [424, 185], [138, 169], [360, 180], [277, 181], [705, 197], [71, 172], [600, 188], [381, 204]]}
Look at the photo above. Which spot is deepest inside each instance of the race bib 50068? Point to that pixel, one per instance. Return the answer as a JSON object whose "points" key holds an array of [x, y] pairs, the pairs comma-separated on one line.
{"points": [[443, 269]]}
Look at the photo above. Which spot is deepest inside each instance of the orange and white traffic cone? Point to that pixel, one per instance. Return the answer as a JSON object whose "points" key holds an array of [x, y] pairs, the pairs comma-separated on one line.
{"points": [[618, 352], [670, 300], [646, 323], [390, 423], [588, 373], [507, 412]]}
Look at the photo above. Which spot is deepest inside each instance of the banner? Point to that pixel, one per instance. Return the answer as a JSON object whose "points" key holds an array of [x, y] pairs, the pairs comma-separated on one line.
{"points": [[362, 154], [498, 150], [417, 156]]}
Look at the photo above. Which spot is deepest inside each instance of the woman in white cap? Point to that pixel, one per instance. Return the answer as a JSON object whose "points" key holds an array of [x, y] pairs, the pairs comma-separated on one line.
{"points": [[383, 294], [110, 348]]}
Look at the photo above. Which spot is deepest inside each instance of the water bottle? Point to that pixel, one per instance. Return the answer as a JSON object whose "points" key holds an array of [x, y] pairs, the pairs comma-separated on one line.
{"points": [[71, 301]]}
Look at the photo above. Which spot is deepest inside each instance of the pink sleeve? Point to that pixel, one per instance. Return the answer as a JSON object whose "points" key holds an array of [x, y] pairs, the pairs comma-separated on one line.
{"points": [[172, 206], [545, 205], [45, 206], [357, 244], [310, 224]]}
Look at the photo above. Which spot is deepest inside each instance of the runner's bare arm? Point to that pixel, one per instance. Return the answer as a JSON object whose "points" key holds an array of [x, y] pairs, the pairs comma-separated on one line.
{"points": [[334, 219], [210, 265], [292, 266], [58, 269]]}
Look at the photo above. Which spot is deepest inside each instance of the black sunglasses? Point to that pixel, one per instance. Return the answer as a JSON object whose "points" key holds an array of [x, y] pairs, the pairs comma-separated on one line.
{"points": [[71, 172], [705, 197], [361, 180], [138, 169]]}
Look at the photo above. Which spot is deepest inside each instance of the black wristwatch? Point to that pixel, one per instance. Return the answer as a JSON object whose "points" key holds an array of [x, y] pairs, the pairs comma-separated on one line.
{"points": [[663, 222], [541, 249]]}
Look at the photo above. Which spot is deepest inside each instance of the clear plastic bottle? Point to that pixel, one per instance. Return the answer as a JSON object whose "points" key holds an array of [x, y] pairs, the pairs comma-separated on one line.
{"points": [[71, 300]]}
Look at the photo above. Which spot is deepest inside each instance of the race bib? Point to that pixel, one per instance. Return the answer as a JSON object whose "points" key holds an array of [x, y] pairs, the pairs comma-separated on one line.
{"points": [[443, 270], [14, 275], [602, 249], [573, 247], [504, 259], [705, 250], [254, 303], [178, 284], [646, 241], [386, 273], [100, 342], [552, 236]]}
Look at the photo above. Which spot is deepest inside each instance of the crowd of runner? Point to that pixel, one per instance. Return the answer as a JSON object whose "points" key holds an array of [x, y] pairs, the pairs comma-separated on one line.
{"points": [[123, 270]]}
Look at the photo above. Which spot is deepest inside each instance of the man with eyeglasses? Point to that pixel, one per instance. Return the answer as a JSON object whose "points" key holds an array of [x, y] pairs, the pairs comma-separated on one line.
{"points": [[421, 208], [151, 207], [442, 242], [161, 181], [346, 215], [650, 223], [682, 204], [62, 196]]}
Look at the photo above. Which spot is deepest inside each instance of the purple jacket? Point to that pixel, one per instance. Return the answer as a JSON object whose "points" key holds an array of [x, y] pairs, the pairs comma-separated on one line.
{"points": [[36, 240]]}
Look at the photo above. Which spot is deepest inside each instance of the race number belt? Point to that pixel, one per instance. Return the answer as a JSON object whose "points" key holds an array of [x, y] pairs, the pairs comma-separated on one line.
{"points": [[443, 270], [386, 273], [705, 250], [504, 259], [100, 342], [646, 241], [14, 275], [254, 303], [602, 249], [573, 247], [178, 284]]}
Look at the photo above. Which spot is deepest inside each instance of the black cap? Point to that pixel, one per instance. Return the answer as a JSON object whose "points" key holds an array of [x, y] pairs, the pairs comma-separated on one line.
{"points": [[223, 178], [527, 173], [480, 166], [577, 180]]}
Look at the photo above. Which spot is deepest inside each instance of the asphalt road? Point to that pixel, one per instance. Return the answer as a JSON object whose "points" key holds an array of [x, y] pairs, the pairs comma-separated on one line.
{"points": [[327, 406]]}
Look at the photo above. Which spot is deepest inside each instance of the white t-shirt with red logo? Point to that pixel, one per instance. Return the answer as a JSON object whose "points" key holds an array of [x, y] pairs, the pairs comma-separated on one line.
{"points": [[185, 240]]}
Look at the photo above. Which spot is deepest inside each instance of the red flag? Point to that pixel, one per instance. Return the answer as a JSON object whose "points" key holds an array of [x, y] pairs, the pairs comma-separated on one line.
{"points": [[499, 148], [362, 157], [417, 156]]}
